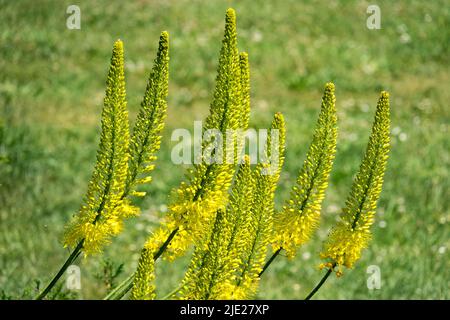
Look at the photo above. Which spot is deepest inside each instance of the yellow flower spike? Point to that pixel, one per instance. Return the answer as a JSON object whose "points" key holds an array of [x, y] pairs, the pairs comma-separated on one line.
{"points": [[214, 262], [146, 138], [205, 261], [97, 220], [114, 179], [225, 110], [245, 87], [259, 228], [143, 287], [295, 224], [195, 203], [352, 233], [279, 125]]}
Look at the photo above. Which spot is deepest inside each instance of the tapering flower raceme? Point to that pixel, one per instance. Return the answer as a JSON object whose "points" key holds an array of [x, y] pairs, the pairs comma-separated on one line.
{"points": [[201, 275], [225, 109], [260, 227], [245, 89], [295, 224], [195, 203], [143, 287], [146, 138], [213, 264], [352, 233], [106, 201], [259, 235], [102, 214], [244, 118], [142, 280]]}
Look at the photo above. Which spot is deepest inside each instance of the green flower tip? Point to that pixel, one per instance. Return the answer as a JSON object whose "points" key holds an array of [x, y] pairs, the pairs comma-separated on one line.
{"points": [[230, 18], [279, 117], [384, 95], [383, 102], [118, 45], [164, 39], [243, 56], [329, 87]]}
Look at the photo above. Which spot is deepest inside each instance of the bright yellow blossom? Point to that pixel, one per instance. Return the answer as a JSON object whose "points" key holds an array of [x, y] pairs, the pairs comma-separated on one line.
{"points": [[352, 233], [295, 224], [195, 203], [102, 214]]}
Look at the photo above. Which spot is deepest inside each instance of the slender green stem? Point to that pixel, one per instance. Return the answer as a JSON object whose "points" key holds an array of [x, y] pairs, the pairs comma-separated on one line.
{"points": [[118, 292], [73, 256], [171, 293], [165, 244], [274, 255], [322, 281], [76, 252]]}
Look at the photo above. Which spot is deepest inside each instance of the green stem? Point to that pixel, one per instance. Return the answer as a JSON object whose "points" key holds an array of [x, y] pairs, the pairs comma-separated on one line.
{"points": [[322, 281], [118, 292], [165, 244], [73, 256], [171, 293], [274, 255]]}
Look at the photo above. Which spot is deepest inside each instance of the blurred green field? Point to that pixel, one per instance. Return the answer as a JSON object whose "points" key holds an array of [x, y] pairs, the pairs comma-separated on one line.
{"points": [[52, 86]]}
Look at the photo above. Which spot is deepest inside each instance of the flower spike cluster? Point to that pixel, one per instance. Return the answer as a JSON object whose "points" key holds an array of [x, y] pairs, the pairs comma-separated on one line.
{"points": [[352, 233], [101, 215], [213, 265], [122, 164], [227, 265], [295, 224], [225, 207], [195, 203], [259, 233]]}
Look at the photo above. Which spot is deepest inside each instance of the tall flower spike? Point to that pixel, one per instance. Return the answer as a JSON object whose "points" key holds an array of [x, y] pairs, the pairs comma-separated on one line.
{"points": [[224, 110], [146, 138], [352, 233], [260, 227], [201, 275], [213, 265], [143, 287], [295, 224], [101, 215], [196, 202], [245, 87]]}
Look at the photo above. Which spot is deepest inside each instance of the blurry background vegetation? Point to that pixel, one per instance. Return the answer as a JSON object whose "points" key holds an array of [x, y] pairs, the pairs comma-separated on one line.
{"points": [[52, 86]]}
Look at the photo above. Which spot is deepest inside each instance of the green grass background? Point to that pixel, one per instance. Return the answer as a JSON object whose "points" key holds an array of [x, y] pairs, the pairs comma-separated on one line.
{"points": [[52, 86]]}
